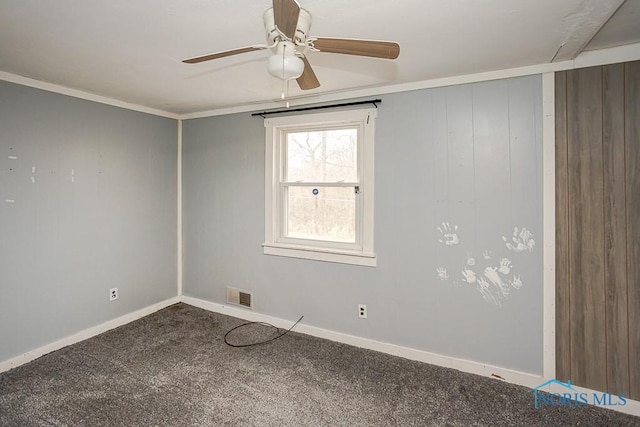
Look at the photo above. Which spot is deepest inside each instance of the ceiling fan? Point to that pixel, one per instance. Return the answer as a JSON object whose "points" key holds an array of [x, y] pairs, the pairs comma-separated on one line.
{"points": [[287, 26]]}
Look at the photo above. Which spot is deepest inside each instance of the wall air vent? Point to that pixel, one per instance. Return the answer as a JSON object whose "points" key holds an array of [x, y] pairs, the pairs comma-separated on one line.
{"points": [[238, 297]]}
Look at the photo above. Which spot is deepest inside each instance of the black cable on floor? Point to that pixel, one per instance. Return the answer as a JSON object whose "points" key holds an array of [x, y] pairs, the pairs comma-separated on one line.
{"points": [[260, 342]]}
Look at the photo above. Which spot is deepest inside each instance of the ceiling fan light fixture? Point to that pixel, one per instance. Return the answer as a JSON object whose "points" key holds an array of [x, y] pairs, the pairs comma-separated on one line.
{"points": [[284, 64], [286, 68]]}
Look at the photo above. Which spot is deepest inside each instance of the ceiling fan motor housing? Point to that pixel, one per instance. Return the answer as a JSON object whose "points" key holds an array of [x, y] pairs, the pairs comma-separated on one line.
{"points": [[302, 28]]}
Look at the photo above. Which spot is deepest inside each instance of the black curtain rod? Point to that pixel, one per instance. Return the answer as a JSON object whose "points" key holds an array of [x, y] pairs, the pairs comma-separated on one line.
{"points": [[374, 102]]}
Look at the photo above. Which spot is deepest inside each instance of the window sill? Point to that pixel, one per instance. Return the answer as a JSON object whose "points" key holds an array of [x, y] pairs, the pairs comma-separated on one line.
{"points": [[321, 254]]}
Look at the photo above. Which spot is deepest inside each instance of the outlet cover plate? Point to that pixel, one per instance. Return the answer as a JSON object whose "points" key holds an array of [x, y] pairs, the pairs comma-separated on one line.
{"points": [[362, 311]]}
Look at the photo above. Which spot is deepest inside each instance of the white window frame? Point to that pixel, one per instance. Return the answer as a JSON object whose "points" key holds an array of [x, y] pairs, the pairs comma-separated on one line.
{"points": [[360, 253]]}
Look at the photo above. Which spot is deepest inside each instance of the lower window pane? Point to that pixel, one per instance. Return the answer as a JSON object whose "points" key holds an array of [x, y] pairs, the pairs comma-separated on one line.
{"points": [[321, 213]]}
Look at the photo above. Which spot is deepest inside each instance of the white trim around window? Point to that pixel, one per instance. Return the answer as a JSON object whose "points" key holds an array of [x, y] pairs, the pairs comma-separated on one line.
{"points": [[359, 251]]}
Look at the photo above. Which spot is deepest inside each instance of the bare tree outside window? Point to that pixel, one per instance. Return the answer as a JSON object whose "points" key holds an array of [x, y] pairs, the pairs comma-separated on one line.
{"points": [[321, 175]]}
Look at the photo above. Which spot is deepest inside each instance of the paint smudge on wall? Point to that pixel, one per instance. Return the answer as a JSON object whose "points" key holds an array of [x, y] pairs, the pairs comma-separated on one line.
{"points": [[522, 240], [492, 275], [488, 294], [449, 234]]}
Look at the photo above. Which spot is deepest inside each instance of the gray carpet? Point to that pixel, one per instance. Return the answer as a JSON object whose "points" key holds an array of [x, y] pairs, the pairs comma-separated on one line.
{"points": [[172, 368]]}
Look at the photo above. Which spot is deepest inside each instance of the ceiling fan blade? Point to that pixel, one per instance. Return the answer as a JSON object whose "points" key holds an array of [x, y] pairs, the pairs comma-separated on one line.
{"points": [[308, 79], [285, 15], [223, 54], [373, 48]]}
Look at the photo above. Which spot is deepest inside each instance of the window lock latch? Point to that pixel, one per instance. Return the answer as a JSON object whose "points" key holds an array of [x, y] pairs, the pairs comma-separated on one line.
{"points": [[357, 189]]}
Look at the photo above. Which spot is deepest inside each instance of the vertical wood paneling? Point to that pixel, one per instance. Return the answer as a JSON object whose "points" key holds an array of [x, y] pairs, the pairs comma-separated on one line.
{"points": [[615, 230], [598, 228], [632, 166], [586, 232], [563, 325]]}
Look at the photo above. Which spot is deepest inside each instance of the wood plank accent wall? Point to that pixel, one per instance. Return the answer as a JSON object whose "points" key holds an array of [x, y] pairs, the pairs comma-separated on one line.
{"points": [[598, 228]]}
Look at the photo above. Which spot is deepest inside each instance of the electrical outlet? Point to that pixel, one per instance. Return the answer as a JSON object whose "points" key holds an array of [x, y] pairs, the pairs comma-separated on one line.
{"points": [[362, 311], [113, 294]]}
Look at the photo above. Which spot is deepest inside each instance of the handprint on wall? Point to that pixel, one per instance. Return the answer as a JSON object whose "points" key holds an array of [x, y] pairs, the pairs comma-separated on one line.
{"points": [[516, 282], [521, 240], [505, 266], [449, 234], [495, 280], [470, 259], [469, 275]]}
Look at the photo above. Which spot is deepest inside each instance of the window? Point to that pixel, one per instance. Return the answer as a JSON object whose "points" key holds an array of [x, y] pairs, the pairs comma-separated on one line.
{"points": [[319, 186]]}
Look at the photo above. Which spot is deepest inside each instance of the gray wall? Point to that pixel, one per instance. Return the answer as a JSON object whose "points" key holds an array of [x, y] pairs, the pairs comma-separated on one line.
{"points": [[466, 156], [98, 212]]}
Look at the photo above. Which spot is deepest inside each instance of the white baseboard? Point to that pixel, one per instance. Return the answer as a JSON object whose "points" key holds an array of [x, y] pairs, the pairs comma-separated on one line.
{"points": [[502, 374], [631, 407], [516, 377], [85, 334]]}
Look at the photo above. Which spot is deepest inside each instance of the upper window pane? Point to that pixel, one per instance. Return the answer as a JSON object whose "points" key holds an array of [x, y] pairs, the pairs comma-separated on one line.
{"points": [[322, 156]]}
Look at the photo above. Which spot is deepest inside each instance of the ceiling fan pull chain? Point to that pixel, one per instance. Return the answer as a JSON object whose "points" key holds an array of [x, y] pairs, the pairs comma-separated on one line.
{"points": [[287, 103], [283, 80]]}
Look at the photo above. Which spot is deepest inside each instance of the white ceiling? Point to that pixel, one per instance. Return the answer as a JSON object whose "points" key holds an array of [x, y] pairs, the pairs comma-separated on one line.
{"points": [[131, 50]]}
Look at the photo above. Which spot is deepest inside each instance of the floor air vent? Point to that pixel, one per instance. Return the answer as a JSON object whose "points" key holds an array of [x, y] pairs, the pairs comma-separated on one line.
{"points": [[238, 297]]}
